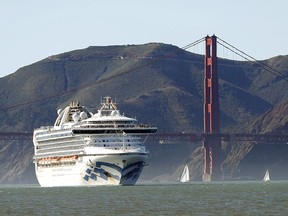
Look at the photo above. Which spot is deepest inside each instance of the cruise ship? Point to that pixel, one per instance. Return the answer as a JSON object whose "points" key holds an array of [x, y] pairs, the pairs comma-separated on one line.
{"points": [[86, 149]]}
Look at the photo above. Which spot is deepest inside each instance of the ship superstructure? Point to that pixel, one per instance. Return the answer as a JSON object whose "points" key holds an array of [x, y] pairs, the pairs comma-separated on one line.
{"points": [[86, 149]]}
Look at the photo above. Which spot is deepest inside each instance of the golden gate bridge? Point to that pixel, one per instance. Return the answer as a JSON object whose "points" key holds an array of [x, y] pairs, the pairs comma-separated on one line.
{"points": [[181, 137], [211, 136]]}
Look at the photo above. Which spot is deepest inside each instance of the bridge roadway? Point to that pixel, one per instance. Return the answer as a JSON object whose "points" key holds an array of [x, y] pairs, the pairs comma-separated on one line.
{"points": [[183, 137]]}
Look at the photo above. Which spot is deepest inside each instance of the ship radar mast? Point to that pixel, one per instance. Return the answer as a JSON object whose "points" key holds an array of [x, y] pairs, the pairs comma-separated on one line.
{"points": [[108, 106]]}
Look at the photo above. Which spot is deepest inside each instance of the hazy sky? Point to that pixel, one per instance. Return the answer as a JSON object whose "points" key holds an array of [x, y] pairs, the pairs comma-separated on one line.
{"points": [[32, 30]]}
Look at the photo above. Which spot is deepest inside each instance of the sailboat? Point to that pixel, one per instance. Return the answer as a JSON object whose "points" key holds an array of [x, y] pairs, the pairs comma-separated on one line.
{"points": [[185, 174], [266, 176]]}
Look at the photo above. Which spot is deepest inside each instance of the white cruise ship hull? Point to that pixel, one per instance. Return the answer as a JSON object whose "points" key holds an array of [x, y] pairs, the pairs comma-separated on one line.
{"points": [[94, 170]]}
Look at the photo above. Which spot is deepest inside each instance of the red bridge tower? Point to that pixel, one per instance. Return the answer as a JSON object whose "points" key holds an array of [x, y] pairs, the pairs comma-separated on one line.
{"points": [[212, 143]]}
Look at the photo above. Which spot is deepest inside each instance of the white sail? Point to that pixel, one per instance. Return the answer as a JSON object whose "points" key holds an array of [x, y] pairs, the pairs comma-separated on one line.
{"points": [[185, 175], [266, 176]]}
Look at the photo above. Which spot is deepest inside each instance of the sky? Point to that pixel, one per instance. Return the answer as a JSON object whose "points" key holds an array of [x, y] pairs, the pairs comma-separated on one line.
{"points": [[32, 30]]}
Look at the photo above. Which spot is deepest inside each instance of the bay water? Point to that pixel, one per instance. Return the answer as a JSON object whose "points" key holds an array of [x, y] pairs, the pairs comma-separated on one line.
{"points": [[196, 198]]}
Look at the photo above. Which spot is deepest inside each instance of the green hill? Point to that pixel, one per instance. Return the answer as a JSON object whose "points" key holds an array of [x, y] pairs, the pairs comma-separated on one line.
{"points": [[160, 84]]}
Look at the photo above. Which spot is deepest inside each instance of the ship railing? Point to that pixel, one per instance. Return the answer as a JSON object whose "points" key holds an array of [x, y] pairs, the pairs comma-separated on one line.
{"points": [[51, 129], [45, 127], [132, 144], [61, 148], [114, 126], [57, 145], [54, 136], [58, 154], [67, 140], [126, 147]]}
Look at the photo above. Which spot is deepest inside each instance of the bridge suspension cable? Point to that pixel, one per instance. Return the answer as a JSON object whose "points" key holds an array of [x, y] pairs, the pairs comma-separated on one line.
{"points": [[251, 59], [193, 44]]}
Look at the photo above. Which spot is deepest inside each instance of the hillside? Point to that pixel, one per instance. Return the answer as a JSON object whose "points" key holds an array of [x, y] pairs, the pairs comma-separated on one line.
{"points": [[250, 160], [158, 83]]}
